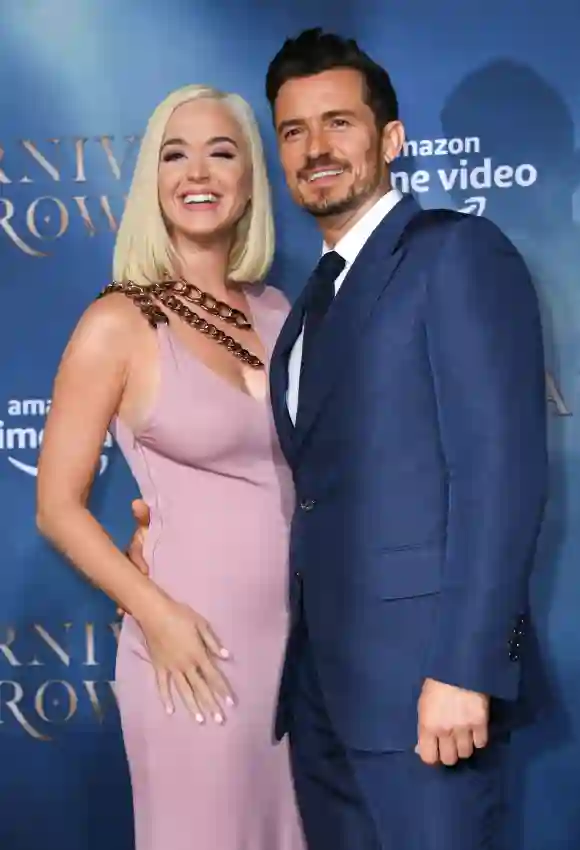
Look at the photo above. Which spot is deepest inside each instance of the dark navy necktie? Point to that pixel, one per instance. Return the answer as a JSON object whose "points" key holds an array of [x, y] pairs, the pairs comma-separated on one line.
{"points": [[320, 297]]}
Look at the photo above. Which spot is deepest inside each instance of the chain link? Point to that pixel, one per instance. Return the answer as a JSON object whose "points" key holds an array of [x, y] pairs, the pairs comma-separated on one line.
{"points": [[165, 292]]}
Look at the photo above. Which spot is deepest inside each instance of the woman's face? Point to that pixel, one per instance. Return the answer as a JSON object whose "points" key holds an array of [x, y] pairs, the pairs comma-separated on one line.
{"points": [[204, 176]]}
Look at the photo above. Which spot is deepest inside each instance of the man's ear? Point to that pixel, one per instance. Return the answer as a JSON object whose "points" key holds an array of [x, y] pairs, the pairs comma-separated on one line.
{"points": [[392, 141]]}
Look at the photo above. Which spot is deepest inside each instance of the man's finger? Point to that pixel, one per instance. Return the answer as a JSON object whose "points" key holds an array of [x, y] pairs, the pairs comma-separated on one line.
{"points": [[427, 747], [480, 736], [135, 553], [448, 750], [464, 743], [141, 512]]}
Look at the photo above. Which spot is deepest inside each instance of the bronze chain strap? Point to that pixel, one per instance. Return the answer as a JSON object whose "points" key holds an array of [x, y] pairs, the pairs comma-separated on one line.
{"points": [[145, 297]]}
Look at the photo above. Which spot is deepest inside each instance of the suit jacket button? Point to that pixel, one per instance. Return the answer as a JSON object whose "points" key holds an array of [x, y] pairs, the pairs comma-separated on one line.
{"points": [[307, 504]]}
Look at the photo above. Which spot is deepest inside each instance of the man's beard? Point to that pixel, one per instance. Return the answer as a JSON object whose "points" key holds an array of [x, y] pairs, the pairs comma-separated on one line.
{"points": [[354, 198], [327, 207]]}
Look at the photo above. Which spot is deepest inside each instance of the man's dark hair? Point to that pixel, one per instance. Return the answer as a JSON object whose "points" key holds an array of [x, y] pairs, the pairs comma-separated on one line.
{"points": [[315, 51]]}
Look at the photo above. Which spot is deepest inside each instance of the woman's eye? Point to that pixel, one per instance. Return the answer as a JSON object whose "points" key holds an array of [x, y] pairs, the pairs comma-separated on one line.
{"points": [[171, 156]]}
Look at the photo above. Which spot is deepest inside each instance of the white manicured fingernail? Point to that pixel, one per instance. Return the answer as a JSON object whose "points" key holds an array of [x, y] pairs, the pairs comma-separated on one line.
{"points": [[218, 718], [230, 702], [224, 653], [169, 709], [200, 718]]}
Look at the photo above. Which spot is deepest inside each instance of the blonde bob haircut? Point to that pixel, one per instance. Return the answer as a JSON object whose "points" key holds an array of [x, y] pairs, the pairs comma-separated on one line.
{"points": [[143, 249]]}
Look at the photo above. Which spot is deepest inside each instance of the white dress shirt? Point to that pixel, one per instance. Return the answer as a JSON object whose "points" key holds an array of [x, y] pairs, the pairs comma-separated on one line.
{"points": [[348, 247]]}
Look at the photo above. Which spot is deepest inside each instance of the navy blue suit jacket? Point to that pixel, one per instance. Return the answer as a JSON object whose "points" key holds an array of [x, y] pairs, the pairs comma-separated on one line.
{"points": [[419, 460]]}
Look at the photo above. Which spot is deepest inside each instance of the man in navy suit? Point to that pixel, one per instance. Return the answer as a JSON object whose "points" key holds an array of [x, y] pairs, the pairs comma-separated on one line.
{"points": [[409, 397]]}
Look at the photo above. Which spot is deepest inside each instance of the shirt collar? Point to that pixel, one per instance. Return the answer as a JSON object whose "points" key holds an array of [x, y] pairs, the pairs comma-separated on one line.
{"points": [[354, 239]]}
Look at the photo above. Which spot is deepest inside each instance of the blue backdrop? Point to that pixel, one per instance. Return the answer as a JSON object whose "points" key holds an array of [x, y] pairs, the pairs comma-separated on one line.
{"points": [[489, 93]]}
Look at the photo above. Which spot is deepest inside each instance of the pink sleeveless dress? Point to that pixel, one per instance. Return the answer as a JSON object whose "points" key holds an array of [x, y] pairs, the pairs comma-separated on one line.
{"points": [[209, 466]]}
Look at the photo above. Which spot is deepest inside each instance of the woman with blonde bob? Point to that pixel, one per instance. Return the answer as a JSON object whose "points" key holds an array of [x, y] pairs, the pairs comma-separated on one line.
{"points": [[173, 359]]}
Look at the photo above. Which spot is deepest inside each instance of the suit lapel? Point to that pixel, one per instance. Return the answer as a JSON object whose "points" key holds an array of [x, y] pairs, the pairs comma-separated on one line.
{"points": [[279, 373], [366, 280]]}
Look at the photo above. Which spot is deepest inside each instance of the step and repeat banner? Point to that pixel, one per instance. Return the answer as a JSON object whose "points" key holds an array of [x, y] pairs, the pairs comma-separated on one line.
{"points": [[489, 95]]}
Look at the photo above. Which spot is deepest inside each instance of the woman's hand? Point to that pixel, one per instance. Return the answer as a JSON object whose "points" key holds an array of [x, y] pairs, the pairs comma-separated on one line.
{"points": [[184, 651]]}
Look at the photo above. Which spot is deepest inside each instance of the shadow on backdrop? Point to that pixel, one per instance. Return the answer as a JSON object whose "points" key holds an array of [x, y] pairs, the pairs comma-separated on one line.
{"points": [[528, 171]]}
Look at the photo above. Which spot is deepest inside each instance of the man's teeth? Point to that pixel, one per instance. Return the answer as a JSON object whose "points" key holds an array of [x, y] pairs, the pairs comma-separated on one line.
{"points": [[318, 175], [199, 199]]}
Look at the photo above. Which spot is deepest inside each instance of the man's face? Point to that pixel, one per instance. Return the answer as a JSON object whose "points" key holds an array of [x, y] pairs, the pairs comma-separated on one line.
{"points": [[334, 157]]}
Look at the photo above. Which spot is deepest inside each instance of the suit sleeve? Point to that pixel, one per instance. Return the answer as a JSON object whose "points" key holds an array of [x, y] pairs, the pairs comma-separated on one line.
{"points": [[485, 348]]}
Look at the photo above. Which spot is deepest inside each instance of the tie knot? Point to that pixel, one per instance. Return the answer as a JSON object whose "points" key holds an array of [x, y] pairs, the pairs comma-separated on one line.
{"points": [[330, 266]]}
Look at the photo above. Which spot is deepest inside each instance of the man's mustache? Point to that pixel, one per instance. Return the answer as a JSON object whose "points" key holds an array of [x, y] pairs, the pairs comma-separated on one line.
{"points": [[318, 163]]}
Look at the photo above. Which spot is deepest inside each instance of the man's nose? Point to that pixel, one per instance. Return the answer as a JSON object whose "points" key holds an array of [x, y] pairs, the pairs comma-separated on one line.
{"points": [[317, 144]]}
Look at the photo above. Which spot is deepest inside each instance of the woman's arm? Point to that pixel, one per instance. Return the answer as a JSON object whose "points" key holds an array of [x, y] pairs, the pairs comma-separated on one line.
{"points": [[88, 391], [92, 385]]}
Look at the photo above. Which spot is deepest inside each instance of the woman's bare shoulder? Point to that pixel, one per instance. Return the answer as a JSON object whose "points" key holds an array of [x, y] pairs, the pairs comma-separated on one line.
{"points": [[112, 322]]}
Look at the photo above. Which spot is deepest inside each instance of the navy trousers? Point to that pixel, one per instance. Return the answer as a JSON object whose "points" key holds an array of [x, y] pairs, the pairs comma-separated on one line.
{"points": [[351, 800]]}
